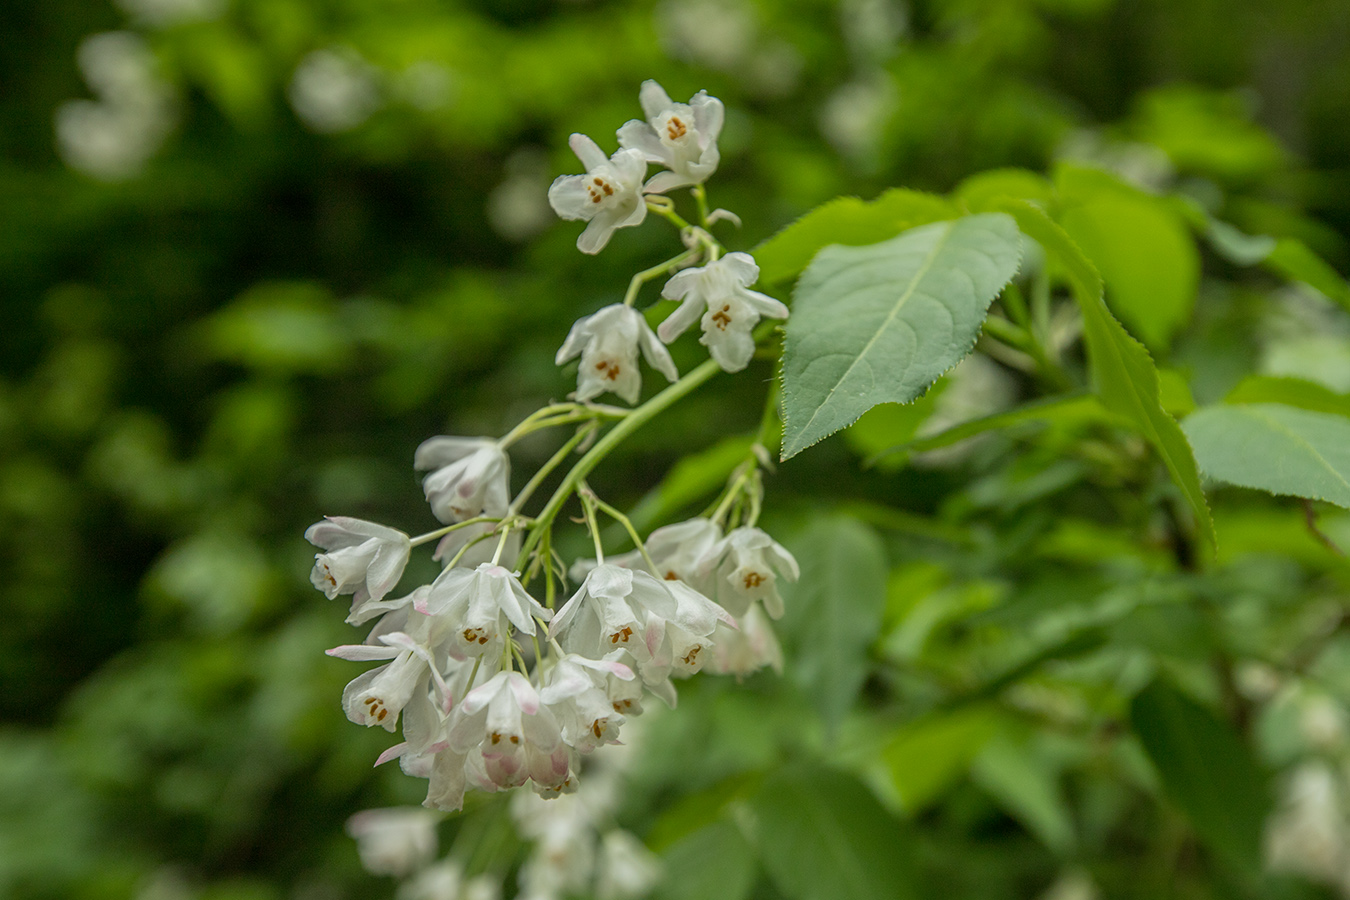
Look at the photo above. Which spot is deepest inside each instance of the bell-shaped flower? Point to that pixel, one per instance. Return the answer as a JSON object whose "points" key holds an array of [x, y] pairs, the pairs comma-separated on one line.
{"points": [[748, 649], [680, 136], [395, 841], [469, 477], [378, 696], [362, 558], [686, 639], [676, 549], [576, 693], [744, 567], [608, 342], [518, 737], [476, 608], [608, 196], [719, 293]]}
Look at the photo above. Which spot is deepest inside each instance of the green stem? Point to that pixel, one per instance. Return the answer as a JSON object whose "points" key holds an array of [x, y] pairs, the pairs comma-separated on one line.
{"points": [[528, 424], [616, 435], [632, 532], [646, 275], [701, 198], [442, 532], [533, 484], [588, 509]]}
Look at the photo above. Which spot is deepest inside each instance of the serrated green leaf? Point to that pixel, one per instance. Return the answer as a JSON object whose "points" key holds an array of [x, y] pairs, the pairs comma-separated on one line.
{"points": [[1290, 392], [849, 221], [880, 323], [1123, 373], [1207, 770], [1141, 247], [980, 189], [835, 611], [1292, 259], [1276, 448], [823, 836]]}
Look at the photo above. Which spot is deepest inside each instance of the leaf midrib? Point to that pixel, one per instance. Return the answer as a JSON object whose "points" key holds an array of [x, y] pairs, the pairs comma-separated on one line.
{"points": [[890, 317]]}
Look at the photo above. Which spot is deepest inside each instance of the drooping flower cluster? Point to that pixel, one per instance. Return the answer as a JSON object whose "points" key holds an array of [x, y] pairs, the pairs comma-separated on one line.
{"points": [[499, 672]]}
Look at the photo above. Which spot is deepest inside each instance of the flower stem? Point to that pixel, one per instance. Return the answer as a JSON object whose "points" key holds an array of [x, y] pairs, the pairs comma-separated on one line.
{"points": [[615, 436], [588, 508], [647, 275], [582, 433], [628, 526], [442, 532]]}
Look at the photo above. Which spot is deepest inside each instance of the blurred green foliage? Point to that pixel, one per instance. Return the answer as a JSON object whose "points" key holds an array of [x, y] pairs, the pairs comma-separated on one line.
{"points": [[238, 300]]}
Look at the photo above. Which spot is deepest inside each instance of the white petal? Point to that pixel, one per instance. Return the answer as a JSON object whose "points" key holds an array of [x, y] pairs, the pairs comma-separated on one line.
{"points": [[639, 136], [662, 182], [654, 99], [576, 339], [708, 117], [741, 267], [597, 234], [363, 652], [732, 349], [656, 354], [587, 150], [678, 322], [569, 198]]}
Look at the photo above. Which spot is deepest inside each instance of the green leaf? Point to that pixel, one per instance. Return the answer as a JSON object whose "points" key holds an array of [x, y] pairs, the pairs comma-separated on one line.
{"points": [[1292, 259], [846, 220], [926, 756], [1290, 392], [1145, 255], [1123, 373], [1207, 770], [879, 324], [1026, 783], [1275, 448], [715, 861], [980, 189], [823, 836], [835, 611]]}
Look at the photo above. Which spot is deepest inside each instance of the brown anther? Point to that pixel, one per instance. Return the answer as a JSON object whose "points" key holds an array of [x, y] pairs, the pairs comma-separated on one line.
{"points": [[515, 739], [721, 317], [622, 635], [610, 368], [675, 129], [622, 706], [599, 181], [671, 576], [380, 716], [692, 655], [597, 729], [753, 580], [496, 738]]}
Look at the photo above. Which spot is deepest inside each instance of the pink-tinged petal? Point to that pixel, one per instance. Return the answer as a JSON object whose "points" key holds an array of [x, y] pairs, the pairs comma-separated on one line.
{"points": [[639, 136], [478, 699], [527, 698], [655, 634], [654, 99], [709, 114], [393, 752], [662, 182], [363, 652]]}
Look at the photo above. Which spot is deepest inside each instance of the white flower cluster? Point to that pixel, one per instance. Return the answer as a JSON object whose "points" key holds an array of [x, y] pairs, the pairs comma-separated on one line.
{"points": [[491, 687]]}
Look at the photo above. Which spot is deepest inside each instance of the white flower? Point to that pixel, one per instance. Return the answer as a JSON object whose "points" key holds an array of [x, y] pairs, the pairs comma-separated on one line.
{"points": [[577, 693], [608, 342], [749, 649], [363, 559], [475, 605], [720, 293], [394, 841], [745, 565], [445, 881], [470, 477], [676, 549], [378, 696], [680, 136], [517, 736], [609, 195], [627, 869]]}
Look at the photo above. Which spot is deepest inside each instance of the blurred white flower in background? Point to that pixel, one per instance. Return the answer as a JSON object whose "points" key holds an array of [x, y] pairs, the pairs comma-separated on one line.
{"points": [[427, 85], [517, 209], [715, 33], [395, 841], [334, 90], [162, 13], [854, 116], [113, 137]]}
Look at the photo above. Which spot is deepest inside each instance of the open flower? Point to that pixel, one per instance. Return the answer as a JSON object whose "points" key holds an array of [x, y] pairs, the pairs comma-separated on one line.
{"points": [[469, 477], [609, 195], [680, 136], [744, 567], [577, 693], [608, 342], [363, 559], [474, 607], [719, 292], [518, 737]]}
